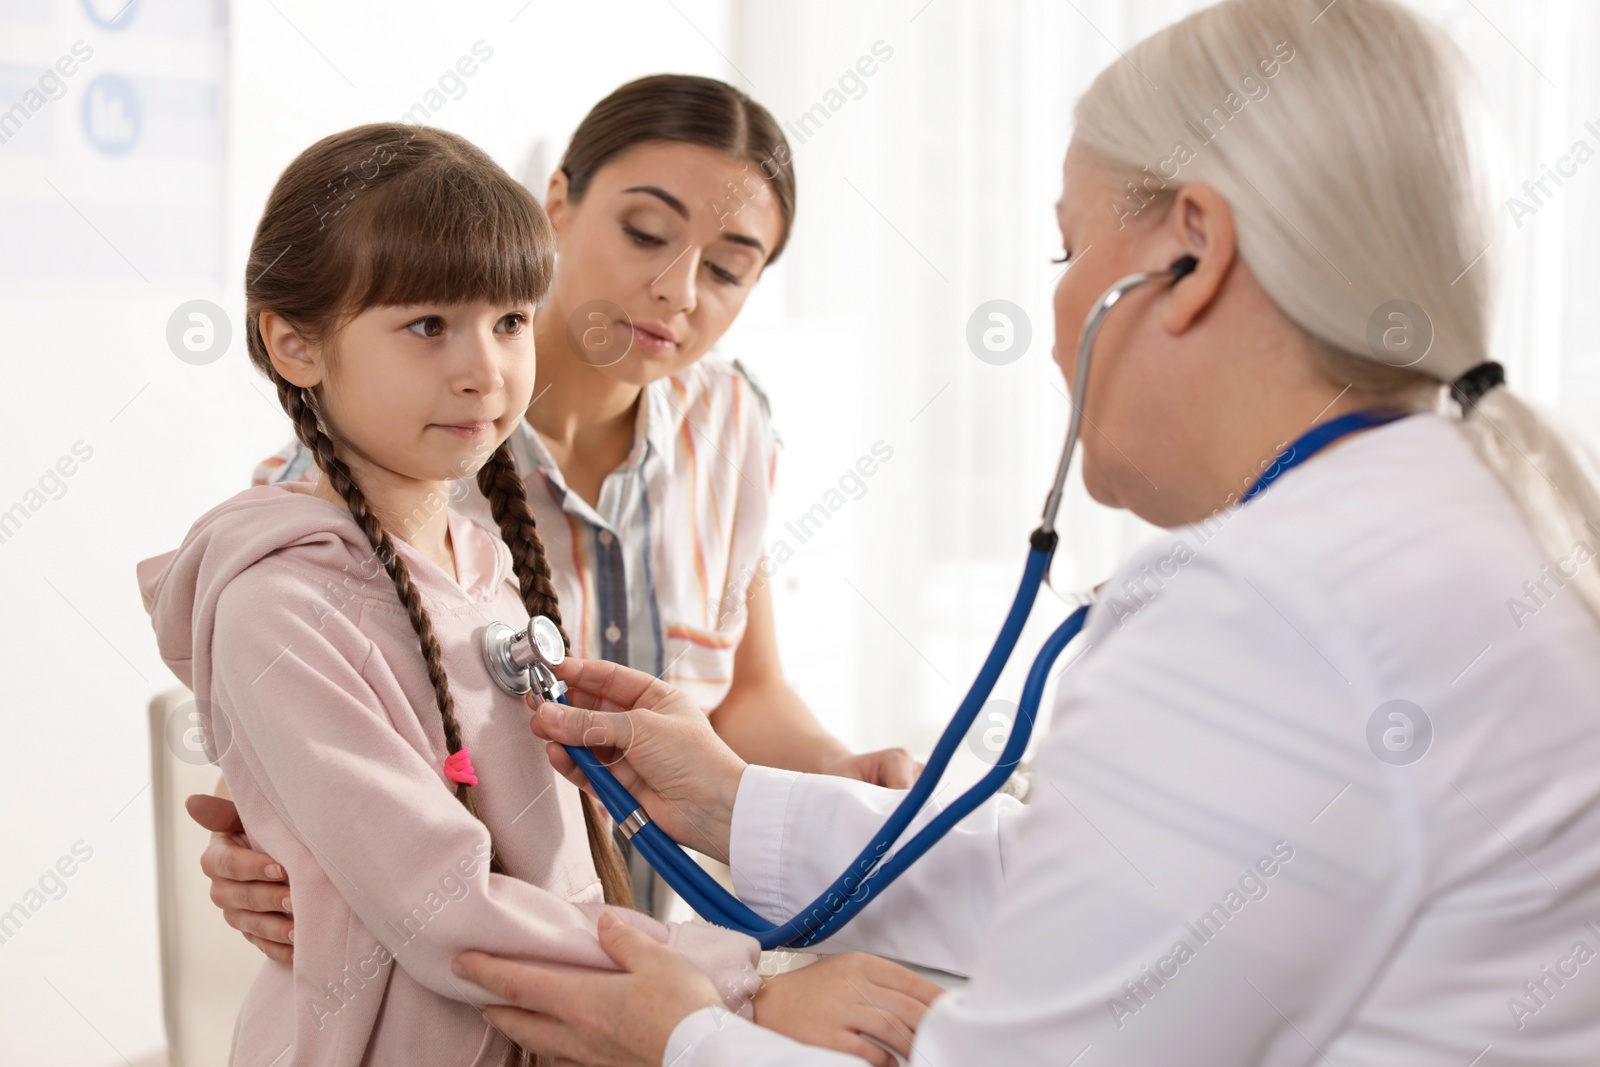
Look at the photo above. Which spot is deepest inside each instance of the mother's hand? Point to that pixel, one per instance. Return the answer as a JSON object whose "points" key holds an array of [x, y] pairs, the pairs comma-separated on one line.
{"points": [[250, 887], [655, 740]]}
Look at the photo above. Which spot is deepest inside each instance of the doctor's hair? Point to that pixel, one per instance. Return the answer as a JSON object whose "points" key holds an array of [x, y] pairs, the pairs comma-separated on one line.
{"points": [[390, 214], [1366, 104], [686, 109]]}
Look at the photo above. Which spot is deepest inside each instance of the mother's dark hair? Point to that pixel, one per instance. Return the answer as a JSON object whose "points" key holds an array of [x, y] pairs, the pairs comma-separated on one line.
{"points": [[691, 110]]}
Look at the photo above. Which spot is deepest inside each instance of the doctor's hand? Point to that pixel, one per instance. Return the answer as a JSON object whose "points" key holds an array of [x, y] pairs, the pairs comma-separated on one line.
{"points": [[603, 1019], [625, 1020], [250, 887], [655, 740]]}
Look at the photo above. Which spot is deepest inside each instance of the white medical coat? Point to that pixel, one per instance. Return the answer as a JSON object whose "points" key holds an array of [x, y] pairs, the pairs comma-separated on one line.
{"points": [[1235, 853]]}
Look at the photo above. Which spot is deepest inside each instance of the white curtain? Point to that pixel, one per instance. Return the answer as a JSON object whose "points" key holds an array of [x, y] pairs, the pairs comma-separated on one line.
{"points": [[926, 189]]}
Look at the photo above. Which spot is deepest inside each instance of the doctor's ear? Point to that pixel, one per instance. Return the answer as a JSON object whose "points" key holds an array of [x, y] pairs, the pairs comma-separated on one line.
{"points": [[295, 359], [1201, 221]]}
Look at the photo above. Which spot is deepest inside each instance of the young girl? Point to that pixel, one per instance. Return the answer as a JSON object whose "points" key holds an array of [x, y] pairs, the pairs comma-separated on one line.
{"points": [[330, 633], [649, 462]]}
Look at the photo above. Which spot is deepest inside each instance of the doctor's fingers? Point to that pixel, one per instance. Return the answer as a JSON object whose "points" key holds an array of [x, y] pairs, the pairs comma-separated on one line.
{"points": [[534, 989], [581, 726], [561, 761], [556, 1039], [537, 1033], [613, 687], [538, 1001]]}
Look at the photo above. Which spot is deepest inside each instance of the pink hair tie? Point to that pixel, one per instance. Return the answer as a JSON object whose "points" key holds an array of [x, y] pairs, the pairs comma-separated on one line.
{"points": [[458, 768]]}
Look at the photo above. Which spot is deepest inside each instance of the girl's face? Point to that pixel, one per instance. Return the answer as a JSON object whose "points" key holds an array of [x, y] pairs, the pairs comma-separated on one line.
{"points": [[657, 258], [428, 392]]}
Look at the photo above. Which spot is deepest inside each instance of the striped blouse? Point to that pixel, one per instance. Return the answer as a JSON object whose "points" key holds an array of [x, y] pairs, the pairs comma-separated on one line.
{"points": [[655, 576]]}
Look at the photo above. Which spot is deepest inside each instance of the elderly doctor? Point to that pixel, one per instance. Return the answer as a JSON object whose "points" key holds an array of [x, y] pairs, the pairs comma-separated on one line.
{"points": [[1323, 786]]}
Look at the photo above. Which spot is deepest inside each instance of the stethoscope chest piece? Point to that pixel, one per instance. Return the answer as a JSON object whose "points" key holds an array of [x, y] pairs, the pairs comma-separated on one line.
{"points": [[521, 661]]}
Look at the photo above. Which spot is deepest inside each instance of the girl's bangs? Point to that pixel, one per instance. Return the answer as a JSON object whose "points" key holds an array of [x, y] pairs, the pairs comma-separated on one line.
{"points": [[444, 233]]}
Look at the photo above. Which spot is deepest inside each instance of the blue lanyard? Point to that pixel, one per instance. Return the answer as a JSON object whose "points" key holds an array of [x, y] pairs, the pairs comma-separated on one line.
{"points": [[872, 871], [1315, 440]]}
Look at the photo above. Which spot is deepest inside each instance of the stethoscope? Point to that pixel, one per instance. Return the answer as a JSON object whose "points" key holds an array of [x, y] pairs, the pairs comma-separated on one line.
{"points": [[522, 661]]}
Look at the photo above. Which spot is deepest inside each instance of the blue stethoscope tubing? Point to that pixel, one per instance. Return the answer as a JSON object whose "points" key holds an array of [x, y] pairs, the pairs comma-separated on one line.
{"points": [[870, 872], [874, 868]]}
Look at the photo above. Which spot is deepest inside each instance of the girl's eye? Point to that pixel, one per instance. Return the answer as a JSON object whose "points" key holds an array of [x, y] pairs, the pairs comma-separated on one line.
{"points": [[515, 322], [642, 239], [432, 326]]}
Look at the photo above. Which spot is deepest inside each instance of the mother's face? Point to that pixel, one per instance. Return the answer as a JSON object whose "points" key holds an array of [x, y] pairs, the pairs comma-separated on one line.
{"points": [[671, 235]]}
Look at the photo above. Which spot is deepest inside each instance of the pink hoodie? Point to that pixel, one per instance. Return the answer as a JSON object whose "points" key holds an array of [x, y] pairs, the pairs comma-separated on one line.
{"points": [[316, 702]]}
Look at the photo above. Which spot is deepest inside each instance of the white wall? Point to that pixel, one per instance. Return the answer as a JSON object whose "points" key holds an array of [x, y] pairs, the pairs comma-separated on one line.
{"points": [[924, 197], [928, 192]]}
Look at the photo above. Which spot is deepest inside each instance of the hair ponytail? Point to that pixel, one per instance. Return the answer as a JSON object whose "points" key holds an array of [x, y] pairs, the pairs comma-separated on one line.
{"points": [[390, 214], [308, 428], [1551, 475], [506, 492]]}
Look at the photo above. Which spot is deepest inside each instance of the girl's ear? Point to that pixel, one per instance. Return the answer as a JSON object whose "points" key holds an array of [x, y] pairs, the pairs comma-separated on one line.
{"points": [[291, 356], [1199, 224]]}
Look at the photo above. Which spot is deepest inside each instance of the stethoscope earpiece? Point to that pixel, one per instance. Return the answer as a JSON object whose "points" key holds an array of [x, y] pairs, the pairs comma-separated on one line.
{"points": [[1182, 267]]}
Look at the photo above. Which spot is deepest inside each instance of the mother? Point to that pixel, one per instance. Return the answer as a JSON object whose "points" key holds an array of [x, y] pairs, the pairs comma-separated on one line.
{"points": [[1315, 796], [649, 467]]}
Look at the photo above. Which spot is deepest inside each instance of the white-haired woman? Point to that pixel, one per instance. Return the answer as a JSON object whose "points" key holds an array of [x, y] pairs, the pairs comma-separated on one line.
{"points": [[1325, 789]]}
